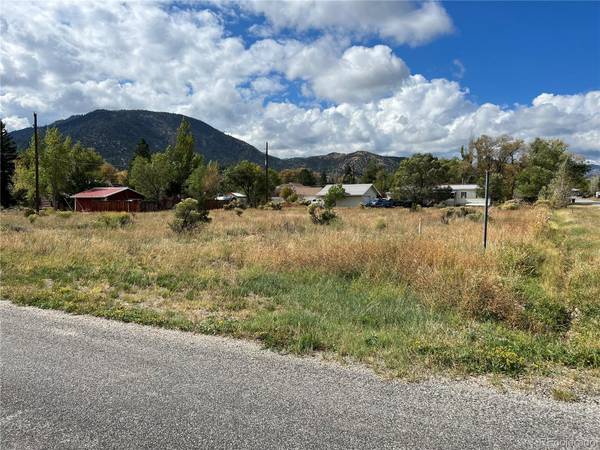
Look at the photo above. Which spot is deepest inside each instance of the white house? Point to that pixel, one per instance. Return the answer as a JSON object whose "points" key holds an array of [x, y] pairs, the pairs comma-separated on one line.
{"points": [[355, 194], [464, 194], [232, 196]]}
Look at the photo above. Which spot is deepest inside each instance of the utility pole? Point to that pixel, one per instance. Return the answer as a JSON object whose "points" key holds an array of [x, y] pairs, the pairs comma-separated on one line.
{"points": [[267, 172], [37, 164], [485, 210]]}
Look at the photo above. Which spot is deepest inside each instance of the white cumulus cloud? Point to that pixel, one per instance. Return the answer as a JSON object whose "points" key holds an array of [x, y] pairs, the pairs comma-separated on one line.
{"points": [[305, 95]]}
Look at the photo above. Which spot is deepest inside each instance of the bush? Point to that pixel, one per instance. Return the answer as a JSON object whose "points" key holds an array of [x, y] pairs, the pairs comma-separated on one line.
{"points": [[475, 217], [32, 218], [238, 211], [188, 216], [320, 215], [64, 214], [273, 206], [463, 211], [28, 212], [543, 203], [115, 219], [510, 205], [233, 204]]}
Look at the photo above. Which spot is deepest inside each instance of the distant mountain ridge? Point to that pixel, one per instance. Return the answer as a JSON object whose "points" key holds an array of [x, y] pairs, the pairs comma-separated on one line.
{"points": [[114, 135]]}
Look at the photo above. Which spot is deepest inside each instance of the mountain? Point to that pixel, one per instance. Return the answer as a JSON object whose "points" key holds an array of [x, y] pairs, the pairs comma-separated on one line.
{"points": [[335, 163], [114, 135]]}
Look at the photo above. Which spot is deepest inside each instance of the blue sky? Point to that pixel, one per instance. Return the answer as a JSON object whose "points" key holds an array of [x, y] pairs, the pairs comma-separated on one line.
{"points": [[512, 51], [313, 77]]}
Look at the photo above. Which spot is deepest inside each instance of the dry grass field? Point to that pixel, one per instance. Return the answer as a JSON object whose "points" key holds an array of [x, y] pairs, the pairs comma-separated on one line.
{"points": [[368, 288]]}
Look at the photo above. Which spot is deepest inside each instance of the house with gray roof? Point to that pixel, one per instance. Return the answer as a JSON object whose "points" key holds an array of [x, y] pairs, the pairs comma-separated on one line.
{"points": [[355, 194]]}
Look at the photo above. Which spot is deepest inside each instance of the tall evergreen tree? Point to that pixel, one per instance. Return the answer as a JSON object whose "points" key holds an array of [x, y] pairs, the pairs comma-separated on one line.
{"points": [[182, 157], [142, 149], [323, 178], [8, 154]]}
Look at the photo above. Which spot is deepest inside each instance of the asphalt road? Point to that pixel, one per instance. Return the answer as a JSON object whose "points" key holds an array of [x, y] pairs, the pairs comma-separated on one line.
{"points": [[81, 382]]}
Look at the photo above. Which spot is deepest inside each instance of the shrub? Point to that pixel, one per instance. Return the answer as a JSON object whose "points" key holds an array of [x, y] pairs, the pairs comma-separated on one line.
{"points": [[188, 216], [320, 215], [463, 211], [32, 218], [64, 214], [543, 203], [288, 194], [115, 219], [28, 212], [12, 227], [475, 217], [273, 206], [238, 211], [510, 205], [233, 204]]}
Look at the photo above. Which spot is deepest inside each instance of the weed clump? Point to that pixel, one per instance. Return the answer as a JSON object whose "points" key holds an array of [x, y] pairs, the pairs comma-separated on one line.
{"points": [[188, 216], [28, 212], [115, 220], [510, 205], [320, 215], [271, 206], [233, 204]]}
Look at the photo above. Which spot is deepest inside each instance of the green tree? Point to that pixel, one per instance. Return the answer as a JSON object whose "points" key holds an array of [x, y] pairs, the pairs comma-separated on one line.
{"points": [[541, 165], [152, 178], [349, 177], [323, 178], [142, 149], [86, 169], [418, 177], [371, 171], [56, 164], [306, 177], [561, 185], [182, 158], [501, 156], [64, 168], [204, 181], [8, 154], [335, 193], [249, 178]]}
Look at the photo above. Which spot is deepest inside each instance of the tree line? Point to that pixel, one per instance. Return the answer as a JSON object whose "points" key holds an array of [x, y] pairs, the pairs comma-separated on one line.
{"points": [[542, 168]]}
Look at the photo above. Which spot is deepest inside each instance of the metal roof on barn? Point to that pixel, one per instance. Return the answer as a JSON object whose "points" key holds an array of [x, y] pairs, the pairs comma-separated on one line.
{"points": [[103, 192]]}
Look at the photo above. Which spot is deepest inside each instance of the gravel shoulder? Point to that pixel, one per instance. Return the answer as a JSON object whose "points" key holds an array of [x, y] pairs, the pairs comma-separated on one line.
{"points": [[83, 382]]}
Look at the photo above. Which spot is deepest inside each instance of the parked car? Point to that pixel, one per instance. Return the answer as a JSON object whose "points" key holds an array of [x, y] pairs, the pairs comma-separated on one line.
{"points": [[379, 203]]}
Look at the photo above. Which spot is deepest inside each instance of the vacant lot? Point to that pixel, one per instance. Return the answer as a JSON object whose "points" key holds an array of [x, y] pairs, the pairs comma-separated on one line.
{"points": [[369, 288]]}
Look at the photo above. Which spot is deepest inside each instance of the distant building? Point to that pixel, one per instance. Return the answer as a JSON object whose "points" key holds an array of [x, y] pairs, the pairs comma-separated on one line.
{"points": [[308, 193], [464, 195], [229, 196], [355, 194], [108, 199]]}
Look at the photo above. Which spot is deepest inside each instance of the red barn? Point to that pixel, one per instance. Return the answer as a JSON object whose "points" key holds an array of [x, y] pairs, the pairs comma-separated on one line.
{"points": [[108, 199]]}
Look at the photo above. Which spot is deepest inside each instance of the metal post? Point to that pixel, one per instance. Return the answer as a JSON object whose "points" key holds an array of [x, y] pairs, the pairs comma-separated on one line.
{"points": [[485, 210], [267, 172], [37, 164]]}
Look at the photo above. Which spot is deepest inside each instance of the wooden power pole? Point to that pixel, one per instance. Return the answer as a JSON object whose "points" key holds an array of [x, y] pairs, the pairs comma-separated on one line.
{"points": [[485, 208], [267, 193], [37, 164]]}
